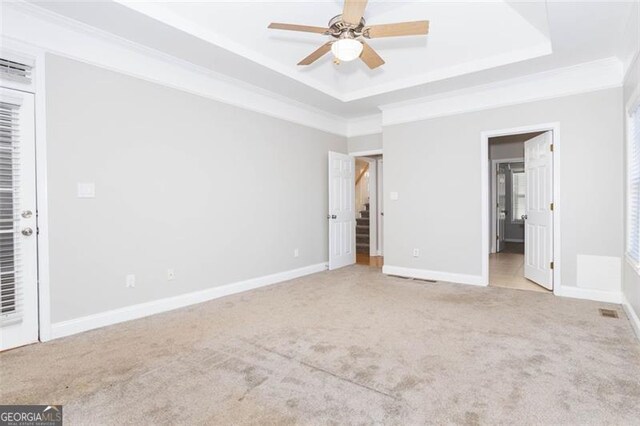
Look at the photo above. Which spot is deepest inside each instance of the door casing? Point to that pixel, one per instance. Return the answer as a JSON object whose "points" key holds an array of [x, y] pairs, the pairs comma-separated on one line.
{"points": [[486, 195]]}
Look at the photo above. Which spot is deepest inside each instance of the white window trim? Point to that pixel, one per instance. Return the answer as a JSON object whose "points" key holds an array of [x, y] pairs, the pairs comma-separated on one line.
{"points": [[632, 104]]}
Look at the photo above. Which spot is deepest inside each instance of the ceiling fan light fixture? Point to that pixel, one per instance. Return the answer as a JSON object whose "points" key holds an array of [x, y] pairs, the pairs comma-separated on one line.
{"points": [[346, 49]]}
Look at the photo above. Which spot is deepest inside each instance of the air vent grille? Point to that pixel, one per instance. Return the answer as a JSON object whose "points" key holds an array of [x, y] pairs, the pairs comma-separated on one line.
{"points": [[15, 71], [609, 313]]}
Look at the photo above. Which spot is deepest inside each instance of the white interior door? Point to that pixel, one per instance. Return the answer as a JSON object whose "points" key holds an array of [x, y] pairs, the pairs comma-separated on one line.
{"points": [[18, 250], [342, 211], [538, 230]]}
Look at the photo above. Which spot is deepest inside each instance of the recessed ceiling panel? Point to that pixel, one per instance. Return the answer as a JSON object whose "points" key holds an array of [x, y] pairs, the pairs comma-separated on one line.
{"points": [[465, 37]]}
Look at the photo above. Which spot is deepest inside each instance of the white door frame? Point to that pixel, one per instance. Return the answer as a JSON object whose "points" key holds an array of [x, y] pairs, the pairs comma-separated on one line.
{"points": [[494, 198], [380, 205], [485, 194]]}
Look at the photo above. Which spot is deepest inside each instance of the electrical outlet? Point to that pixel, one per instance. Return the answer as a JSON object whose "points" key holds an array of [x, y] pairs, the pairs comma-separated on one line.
{"points": [[416, 252], [171, 274], [296, 253], [131, 280]]}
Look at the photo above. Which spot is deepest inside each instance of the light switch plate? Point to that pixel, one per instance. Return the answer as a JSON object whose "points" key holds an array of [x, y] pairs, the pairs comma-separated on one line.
{"points": [[130, 280], [393, 195], [86, 190]]}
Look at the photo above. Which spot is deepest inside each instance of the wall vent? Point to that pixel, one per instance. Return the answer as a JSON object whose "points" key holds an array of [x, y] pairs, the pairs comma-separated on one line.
{"points": [[609, 313]]}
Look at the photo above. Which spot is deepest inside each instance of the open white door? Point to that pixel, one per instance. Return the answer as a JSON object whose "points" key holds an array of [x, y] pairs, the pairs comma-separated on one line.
{"points": [[18, 250], [342, 210], [538, 231]]}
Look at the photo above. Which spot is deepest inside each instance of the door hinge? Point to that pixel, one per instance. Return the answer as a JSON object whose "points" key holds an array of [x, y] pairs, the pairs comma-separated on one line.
{"points": [[551, 265], [551, 206], [497, 237], [551, 147]]}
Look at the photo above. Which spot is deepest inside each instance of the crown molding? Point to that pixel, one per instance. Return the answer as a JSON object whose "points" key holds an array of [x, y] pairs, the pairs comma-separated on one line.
{"points": [[362, 126], [53, 33], [602, 74]]}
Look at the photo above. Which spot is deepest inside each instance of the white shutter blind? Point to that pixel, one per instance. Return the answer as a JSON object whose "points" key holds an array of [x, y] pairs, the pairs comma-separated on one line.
{"points": [[633, 195], [15, 70], [10, 285]]}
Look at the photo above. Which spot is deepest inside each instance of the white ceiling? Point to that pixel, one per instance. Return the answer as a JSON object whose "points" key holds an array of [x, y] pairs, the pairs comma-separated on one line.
{"points": [[470, 43]]}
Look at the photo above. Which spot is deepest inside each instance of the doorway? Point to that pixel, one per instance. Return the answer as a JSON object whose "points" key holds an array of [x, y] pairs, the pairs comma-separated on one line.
{"points": [[520, 210], [369, 210]]}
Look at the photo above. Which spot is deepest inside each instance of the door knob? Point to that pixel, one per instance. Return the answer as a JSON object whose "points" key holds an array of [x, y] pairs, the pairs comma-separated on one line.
{"points": [[524, 217], [27, 232], [27, 214], [333, 216]]}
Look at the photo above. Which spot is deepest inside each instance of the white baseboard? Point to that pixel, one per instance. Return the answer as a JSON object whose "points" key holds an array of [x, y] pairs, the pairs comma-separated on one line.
{"points": [[589, 294], [115, 316], [632, 315], [433, 275]]}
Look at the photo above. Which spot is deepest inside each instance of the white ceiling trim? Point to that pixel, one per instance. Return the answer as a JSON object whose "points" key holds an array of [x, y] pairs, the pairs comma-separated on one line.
{"points": [[54, 33], [590, 76], [454, 71], [368, 125]]}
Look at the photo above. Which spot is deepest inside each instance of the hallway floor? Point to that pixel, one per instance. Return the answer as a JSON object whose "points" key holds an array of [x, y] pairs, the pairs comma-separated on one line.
{"points": [[506, 269], [365, 259], [350, 346]]}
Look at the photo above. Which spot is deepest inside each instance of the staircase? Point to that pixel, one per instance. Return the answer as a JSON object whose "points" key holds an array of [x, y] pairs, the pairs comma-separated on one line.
{"points": [[362, 231]]}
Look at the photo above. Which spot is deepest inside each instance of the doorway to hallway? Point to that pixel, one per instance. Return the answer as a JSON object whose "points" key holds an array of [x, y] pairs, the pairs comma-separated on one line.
{"points": [[521, 211]]}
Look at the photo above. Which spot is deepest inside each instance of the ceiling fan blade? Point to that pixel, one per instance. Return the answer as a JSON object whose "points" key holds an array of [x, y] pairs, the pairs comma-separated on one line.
{"points": [[353, 11], [370, 57], [317, 54], [293, 27], [399, 29]]}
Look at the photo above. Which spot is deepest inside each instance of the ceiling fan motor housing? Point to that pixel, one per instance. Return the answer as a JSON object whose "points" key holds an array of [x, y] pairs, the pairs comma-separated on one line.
{"points": [[340, 29]]}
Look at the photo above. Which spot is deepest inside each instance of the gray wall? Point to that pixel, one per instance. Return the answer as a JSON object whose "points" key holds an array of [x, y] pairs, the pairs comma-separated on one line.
{"points": [[218, 193], [447, 229], [631, 279], [365, 143]]}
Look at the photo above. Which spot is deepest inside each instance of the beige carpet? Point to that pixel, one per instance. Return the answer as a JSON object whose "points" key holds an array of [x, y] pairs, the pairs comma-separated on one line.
{"points": [[349, 346]]}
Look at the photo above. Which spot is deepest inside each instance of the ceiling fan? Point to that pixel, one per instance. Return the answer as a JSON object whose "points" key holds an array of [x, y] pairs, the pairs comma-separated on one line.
{"points": [[349, 31]]}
